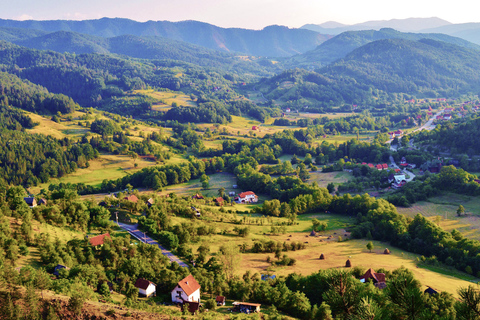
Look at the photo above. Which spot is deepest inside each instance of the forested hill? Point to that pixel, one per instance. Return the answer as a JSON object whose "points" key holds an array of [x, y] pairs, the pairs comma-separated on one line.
{"points": [[414, 67], [341, 45], [275, 41], [383, 69], [136, 47]]}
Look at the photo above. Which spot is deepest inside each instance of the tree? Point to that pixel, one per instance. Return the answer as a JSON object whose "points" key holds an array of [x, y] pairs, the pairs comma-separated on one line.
{"points": [[469, 305], [221, 192], [319, 225], [205, 180], [230, 258], [460, 211], [370, 246], [330, 187]]}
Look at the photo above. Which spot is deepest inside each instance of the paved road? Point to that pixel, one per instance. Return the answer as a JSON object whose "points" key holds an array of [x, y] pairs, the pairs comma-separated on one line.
{"points": [[429, 124], [133, 230], [409, 173]]}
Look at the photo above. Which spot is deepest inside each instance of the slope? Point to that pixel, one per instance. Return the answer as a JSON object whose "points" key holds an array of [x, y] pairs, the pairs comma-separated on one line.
{"points": [[379, 71], [274, 41], [339, 46]]}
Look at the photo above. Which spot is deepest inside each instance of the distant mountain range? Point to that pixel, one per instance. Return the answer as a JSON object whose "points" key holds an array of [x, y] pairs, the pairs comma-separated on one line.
{"points": [[341, 45], [405, 25], [466, 31], [272, 41]]}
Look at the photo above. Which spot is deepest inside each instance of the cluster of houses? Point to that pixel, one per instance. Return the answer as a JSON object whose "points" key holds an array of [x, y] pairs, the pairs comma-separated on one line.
{"points": [[242, 197], [382, 166], [186, 293]]}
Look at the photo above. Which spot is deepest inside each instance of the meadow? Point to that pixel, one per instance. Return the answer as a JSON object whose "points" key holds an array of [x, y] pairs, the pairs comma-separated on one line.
{"points": [[443, 211], [167, 98]]}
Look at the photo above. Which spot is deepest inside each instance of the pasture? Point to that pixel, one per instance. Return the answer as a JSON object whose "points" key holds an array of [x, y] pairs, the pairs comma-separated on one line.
{"points": [[167, 98], [326, 242], [443, 211]]}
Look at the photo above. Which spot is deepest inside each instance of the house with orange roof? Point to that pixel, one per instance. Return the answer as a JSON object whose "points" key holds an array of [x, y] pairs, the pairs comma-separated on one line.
{"points": [[378, 279], [99, 240], [187, 290], [246, 197]]}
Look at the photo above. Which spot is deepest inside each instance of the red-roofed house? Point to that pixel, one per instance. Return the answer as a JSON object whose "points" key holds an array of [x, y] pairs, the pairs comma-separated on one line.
{"points": [[145, 288], [384, 166], [187, 290], [377, 278], [219, 201], [132, 198], [246, 197], [379, 167], [364, 163], [370, 165], [397, 170], [254, 128], [99, 240]]}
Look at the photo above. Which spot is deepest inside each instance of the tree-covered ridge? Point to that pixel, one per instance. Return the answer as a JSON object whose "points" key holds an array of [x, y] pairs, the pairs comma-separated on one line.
{"points": [[382, 71], [152, 47], [28, 96], [276, 41], [341, 45], [425, 67]]}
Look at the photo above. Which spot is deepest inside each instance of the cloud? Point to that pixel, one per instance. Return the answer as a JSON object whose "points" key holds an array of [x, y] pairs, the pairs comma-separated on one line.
{"points": [[24, 17]]}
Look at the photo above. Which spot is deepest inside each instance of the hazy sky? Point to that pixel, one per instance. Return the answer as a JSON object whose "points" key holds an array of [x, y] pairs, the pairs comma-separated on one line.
{"points": [[253, 14]]}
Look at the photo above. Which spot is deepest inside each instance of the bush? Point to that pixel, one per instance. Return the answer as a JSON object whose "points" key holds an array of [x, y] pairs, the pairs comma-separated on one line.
{"points": [[210, 304]]}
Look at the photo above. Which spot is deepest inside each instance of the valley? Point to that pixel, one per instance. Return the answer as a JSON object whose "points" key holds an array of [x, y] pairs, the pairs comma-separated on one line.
{"points": [[275, 174]]}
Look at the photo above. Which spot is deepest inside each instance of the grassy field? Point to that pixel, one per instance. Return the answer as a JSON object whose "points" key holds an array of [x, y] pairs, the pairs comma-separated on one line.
{"points": [[58, 130], [63, 235], [324, 178], [107, 166], [326, 242], [443, 211], [166, 99]]}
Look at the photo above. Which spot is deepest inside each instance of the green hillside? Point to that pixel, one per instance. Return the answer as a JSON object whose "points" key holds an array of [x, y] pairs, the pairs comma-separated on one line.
{"points": [[341, 45], [381, 71]]}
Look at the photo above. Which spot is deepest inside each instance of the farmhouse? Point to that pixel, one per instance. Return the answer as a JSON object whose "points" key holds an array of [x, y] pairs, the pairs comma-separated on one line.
{"points": [[187, 290], [220, 300], [145, 288], [30, 201], [254, 128], [378, 279], [246, 197], [399, 178], [150, 202], [99, 240], [132, 198], [219, 201]]}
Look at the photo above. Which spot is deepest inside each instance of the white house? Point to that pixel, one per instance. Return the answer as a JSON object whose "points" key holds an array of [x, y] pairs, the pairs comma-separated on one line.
{"points": [[246, 197], [399, 178], [187, 290], [145, 288]]}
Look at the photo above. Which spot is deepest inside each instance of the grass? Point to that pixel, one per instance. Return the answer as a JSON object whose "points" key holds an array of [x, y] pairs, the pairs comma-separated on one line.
{"points": [[58, 130], [107, 166], [166, 99], [324, 178], [63, 235], [443, 211]]}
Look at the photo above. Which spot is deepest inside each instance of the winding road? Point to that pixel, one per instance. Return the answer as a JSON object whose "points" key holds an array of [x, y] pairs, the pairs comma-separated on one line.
{"points": [[135, 232]]}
